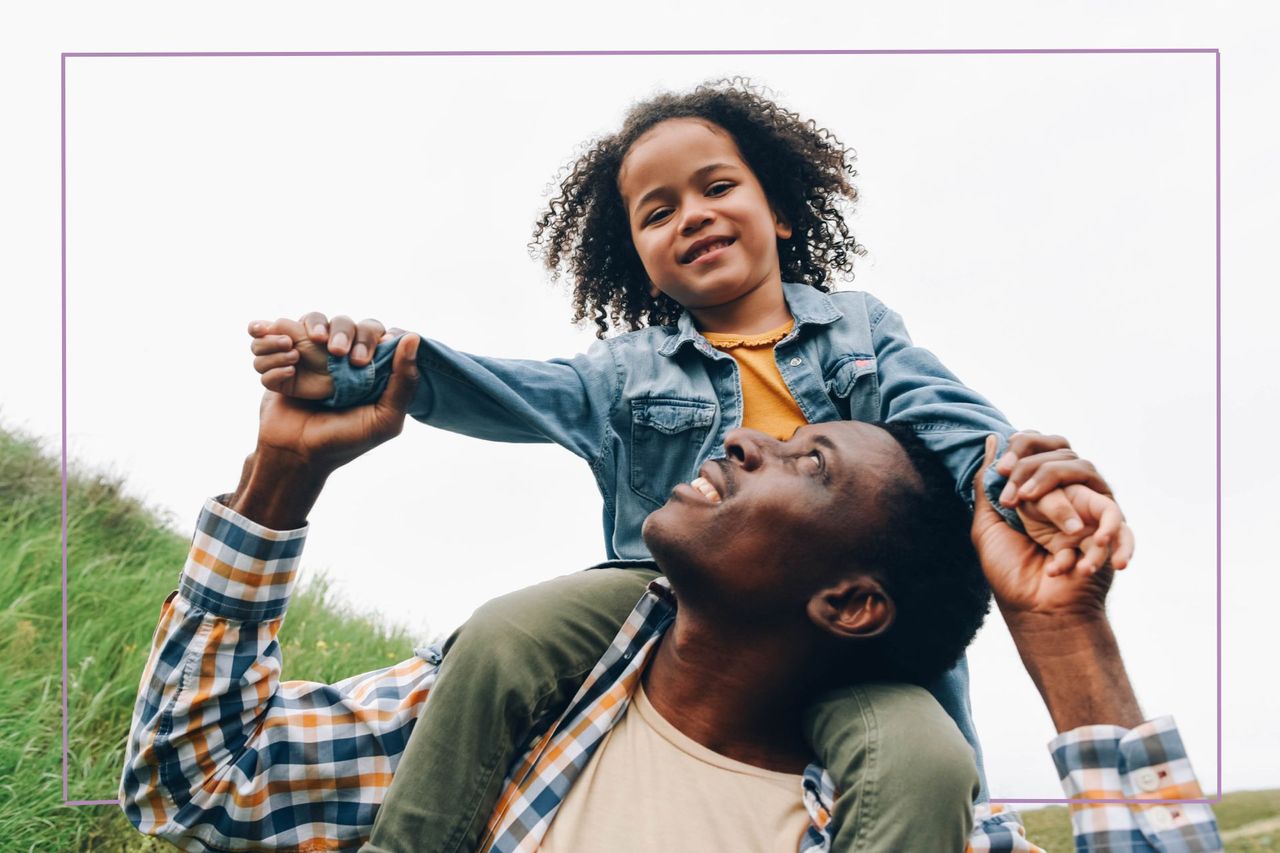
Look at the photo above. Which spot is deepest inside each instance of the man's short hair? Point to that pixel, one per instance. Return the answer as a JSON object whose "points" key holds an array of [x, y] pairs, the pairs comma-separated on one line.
{"points": [[927, 564]]}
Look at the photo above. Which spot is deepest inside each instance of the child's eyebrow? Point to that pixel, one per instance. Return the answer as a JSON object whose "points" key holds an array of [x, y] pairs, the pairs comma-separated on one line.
{"points": [[698, 173]]}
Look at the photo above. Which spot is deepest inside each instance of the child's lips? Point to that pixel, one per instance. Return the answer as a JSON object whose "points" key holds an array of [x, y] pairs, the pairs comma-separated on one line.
{"points": [[696, 247]]}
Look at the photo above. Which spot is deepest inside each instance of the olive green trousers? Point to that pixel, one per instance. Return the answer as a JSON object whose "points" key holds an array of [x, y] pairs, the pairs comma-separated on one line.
{"points": [[906, 775]]}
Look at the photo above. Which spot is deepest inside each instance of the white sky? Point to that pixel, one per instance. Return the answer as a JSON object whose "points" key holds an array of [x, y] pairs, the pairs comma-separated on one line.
{"points": [[1045, 224]]}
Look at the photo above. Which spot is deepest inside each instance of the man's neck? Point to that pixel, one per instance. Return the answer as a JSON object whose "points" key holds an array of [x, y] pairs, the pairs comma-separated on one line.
{"points": [[740, 697]]}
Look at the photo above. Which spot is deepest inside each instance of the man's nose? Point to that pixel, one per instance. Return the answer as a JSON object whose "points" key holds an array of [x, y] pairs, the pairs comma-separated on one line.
{"points": [[748, 448]]}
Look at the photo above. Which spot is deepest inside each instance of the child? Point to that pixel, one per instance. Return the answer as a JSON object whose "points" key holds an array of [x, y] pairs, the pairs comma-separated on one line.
{"points": [[708, 226]]}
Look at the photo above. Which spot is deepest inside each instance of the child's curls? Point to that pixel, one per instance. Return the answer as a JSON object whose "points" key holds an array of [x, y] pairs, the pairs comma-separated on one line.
{"points": [[804, 169]]}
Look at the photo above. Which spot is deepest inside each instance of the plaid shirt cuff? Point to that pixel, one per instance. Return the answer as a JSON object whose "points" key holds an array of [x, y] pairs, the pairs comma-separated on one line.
{"points": [[1147, 762], [238, 569]]}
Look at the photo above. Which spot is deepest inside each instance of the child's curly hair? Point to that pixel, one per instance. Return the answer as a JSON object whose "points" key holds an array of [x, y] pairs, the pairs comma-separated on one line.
{"points": [[804, 169]]}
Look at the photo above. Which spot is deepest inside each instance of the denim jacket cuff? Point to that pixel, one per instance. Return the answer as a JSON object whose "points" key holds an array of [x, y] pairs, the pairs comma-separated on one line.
{"points": [[355, 386], [994, 482]]}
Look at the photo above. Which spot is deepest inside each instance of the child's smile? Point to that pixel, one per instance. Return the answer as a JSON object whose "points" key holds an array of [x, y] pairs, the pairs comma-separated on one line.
{"points": [[703, 228]]}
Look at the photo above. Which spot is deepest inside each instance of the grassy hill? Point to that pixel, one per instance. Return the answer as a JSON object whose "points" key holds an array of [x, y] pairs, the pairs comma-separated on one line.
{"points": [[122, 562]]}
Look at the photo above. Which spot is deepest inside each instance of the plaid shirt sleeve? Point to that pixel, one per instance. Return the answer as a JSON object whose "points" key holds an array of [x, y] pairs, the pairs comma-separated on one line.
{"points": [[221, 754]]}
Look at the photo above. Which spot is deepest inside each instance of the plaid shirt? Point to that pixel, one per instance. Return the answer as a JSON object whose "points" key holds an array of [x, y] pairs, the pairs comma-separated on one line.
{"points": [[224, 756]]}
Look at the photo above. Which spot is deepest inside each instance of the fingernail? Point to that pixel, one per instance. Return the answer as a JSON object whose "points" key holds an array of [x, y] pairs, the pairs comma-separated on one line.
{"points": [[320, 329], [1008, 459], [1007, 494], [1073, 526], [256, 327], [358, 351], [338, 341], [1028, 487]]}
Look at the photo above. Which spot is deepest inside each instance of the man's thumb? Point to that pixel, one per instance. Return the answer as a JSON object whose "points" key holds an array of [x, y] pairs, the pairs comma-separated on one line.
{"points": [[403, 381], [981, 503]]}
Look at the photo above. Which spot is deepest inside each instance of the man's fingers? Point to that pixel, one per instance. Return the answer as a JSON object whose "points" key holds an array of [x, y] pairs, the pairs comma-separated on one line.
{"points": [[1060, 471], [342, 331], [368, 333], [404, 376], [1025, 443]]}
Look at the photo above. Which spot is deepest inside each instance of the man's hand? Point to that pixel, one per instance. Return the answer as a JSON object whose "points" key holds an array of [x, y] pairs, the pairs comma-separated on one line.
{"points": [[1021, 572], [1059, 519], [292, 356], [1058, 622], [300, 446]]}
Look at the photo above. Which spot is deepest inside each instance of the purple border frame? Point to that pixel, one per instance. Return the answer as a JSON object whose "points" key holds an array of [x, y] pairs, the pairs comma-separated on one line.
{"points": [[820, 52]]}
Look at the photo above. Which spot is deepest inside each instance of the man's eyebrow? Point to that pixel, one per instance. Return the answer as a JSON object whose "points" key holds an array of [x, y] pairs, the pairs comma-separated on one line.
{"points": [[705, 170]]}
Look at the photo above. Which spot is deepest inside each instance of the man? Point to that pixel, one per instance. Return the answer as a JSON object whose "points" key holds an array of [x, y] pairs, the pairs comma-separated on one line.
{"points": [[772, 590]]}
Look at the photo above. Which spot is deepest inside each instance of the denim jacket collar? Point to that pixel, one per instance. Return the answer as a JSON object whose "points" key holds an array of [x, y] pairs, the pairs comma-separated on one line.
{"points": [[807, 305]]}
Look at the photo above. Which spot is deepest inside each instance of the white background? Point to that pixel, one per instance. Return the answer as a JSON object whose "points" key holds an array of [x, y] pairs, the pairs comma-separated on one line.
{"points": [[1044, 223]]}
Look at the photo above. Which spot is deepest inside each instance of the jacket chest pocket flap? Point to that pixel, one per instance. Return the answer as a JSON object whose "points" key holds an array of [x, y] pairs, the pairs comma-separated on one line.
{"points": [[854, 387], [666, 436]]}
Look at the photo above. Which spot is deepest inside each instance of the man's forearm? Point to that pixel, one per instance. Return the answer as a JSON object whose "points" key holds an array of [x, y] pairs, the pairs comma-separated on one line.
{"points": [[277, 489], [1075, 664]]}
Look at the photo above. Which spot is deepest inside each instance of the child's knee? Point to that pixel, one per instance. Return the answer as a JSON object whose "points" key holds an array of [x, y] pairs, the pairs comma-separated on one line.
{"points": [[899, 760], [526, 642]]}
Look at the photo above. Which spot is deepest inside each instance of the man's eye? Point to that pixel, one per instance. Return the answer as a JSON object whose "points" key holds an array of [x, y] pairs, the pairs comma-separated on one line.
{"points": [[817, 459]]}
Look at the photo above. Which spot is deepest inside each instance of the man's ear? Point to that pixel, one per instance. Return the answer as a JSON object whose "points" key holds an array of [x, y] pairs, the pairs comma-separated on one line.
{"points": [[781, 227], [853, 608]]}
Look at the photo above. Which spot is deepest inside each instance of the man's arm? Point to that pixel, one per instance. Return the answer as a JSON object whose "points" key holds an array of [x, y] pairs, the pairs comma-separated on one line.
{"points": [[1104, 749], [221, 754]]}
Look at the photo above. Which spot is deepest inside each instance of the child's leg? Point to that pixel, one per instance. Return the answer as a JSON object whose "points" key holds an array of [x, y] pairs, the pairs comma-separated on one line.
{"points": [[518, 660], [906, 775]]}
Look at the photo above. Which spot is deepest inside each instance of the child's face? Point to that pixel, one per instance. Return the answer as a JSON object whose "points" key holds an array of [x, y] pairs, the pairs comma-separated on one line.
{"points": [[688, 189]]}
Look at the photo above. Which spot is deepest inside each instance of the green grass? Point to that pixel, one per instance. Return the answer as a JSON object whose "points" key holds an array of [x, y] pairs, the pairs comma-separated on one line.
{"points": [[122, 562]]}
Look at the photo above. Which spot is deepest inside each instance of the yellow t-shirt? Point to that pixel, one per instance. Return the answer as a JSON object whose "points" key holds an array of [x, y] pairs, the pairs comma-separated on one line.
{"points": [[767, 404], [649, 787]]}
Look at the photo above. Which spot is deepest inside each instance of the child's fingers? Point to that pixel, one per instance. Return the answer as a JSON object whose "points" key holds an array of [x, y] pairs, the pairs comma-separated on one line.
{"points": [[1057, 508], [278, 379], [268, 344], [316, 326], [1094, 555], [1123, 553], [266, 363], [1062, 562]]}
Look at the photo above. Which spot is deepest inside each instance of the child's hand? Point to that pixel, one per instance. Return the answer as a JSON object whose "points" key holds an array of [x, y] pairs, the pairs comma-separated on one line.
{"points": [[292, 356], [1064, 504]]}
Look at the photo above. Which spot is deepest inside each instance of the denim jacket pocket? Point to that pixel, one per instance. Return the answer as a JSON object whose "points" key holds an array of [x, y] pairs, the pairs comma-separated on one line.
{"points": [[667, 434], [854, 388]]}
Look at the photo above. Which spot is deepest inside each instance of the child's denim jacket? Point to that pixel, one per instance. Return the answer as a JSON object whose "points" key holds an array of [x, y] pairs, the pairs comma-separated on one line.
{"points": [[647, 408]]}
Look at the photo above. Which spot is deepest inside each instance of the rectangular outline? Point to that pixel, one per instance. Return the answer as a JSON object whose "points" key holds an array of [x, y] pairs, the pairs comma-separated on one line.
{"points": [[816, 52]]}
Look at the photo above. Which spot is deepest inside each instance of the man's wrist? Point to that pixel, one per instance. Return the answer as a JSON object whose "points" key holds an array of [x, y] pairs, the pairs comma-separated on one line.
{"points": [[278, 489], [1075, 663]]}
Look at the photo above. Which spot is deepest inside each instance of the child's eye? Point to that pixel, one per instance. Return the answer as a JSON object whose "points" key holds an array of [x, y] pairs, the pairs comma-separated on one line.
{"points": [[656, 215], [720, 188]]}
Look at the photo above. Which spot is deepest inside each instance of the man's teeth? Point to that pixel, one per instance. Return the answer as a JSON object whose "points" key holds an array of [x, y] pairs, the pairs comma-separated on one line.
{"points": [[707, 489]]}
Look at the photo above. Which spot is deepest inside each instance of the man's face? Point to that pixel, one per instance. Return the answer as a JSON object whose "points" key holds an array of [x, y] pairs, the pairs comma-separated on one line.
{"points": [[762, 528]]}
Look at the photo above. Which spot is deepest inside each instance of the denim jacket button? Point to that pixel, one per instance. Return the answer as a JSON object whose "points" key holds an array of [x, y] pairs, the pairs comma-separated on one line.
{"points": [[797, 361]]}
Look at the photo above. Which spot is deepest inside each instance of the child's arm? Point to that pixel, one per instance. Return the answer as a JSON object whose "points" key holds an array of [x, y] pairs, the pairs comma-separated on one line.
{"points": [[953, 421], [224, 756], [564, 401]]}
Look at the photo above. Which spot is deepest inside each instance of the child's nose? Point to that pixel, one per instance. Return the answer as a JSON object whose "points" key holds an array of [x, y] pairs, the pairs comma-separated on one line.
{"points": [[695, 218]]}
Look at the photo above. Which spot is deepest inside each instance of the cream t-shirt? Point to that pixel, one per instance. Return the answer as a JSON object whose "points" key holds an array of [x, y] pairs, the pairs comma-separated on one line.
{"points": [[650, 788]]}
